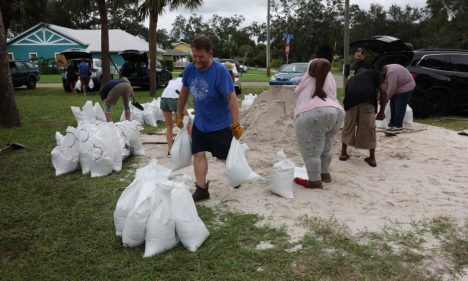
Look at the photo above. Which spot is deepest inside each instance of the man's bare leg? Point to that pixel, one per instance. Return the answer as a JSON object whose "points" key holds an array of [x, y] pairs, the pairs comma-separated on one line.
{"points": [[200, 166]]}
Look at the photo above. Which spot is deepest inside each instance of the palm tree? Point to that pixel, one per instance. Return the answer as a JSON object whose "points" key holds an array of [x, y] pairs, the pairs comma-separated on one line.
{"points": [[9, 114], [106, 76], [153, 9]]}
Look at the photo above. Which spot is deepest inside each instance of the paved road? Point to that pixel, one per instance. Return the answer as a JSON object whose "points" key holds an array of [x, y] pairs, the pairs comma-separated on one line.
{"points": [[338, 79]]}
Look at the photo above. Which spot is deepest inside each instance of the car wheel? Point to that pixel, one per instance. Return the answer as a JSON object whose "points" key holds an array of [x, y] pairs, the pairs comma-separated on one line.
{"points": [[436, 103], [31, 84]]}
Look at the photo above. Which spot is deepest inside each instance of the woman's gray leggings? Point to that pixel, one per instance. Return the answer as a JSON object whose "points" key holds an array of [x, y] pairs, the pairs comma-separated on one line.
{"points": [[315, 130]]}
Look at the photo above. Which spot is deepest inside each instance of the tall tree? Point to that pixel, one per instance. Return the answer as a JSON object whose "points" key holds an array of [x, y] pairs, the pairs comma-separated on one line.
{"points": [[153, 9], [9, 114], [106, 75]]}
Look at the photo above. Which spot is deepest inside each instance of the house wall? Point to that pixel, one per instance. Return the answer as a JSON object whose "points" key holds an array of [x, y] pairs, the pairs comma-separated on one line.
{"points": [[183, 47], [43, 51]]}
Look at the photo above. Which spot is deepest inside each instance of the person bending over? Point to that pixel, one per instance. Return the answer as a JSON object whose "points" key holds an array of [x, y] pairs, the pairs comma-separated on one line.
{"points": [[111, 91], [360, 104]]}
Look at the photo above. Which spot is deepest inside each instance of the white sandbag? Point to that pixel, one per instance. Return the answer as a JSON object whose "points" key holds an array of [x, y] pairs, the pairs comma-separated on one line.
{"points": [[238, 169], [160, 230], [148, 115], [134, 229], [130, 130], [123, 142], [88, 111], [91, 84], [282, 176], [65, 156], [407, 120], [102, 157], [99, 113], [158, 113], [137, 115], [141, 187], [247, 102], [113, 145], [79, 115], [78, 85], [58, 138], [191, 113], [190, 229], [86, 147], [301, 172], [181, 150]]}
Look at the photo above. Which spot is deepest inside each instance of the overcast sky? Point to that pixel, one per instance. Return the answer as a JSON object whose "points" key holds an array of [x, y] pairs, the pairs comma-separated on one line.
{"points": [[255, 10]]}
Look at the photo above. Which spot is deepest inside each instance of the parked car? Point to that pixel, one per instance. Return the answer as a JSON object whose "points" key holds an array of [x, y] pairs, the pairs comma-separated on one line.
{"points": [[136, 69], [441, 75], [243, 68], [24, 73], [290, 74], [237, 75], [236, 63], [75, 56]]}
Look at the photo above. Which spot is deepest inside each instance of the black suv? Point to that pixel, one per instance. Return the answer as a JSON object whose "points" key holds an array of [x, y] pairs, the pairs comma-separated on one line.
{"points": [[24, 73], [441, 75], [136, 69]]}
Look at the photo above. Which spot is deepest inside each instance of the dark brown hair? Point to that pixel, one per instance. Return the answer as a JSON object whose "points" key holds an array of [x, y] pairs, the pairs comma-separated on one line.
{"points": [[319, 69], [202, 43]]}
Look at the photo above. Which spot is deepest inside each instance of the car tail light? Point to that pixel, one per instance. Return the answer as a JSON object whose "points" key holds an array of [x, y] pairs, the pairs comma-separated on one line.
{"points": [[414, 75]]}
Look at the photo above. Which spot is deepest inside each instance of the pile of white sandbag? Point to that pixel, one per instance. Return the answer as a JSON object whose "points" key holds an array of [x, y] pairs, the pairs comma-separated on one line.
{"points": [[97, 146], [151, 114], [158, 212]]}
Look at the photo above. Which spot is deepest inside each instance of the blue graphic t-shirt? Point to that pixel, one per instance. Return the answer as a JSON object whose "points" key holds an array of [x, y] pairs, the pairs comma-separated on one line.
{"points": [[209, 90]]}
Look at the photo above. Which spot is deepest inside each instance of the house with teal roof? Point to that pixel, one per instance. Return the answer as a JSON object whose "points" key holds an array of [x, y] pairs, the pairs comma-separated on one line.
{"points": [[48, 40]]}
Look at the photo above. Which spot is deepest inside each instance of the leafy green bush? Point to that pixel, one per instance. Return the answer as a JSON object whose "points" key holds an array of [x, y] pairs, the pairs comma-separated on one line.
{"points": [[47, 66], [168, 64]]}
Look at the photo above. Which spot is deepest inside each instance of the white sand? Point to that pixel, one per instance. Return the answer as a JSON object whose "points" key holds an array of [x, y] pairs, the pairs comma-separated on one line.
{"points": [[420, 174]]}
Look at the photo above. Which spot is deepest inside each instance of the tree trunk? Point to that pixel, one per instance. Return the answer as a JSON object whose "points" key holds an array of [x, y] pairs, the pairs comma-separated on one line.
{"points": [[153, 51], [9, 114], [106, 75]]}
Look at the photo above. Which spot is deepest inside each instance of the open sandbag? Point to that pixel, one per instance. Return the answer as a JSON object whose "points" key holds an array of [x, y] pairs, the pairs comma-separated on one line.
{"points": [[65, 156], [238, 170], [181, 151]]}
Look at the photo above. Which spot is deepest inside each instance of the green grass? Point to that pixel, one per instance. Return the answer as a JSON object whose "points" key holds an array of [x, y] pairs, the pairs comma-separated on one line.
{"points": [[50, 78], [456, 123], [61, 228], [253, 75]]}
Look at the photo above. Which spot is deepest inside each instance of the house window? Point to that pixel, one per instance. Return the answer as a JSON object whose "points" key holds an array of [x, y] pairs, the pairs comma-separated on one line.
{"points": [[33, 56], [10, 56]]}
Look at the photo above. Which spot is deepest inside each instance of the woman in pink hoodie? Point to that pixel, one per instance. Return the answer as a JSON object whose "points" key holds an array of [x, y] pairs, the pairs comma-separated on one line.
{"points": [[318, 117]]}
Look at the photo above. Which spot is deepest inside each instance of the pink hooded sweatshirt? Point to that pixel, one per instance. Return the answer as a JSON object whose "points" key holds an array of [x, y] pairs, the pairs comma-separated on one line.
{"points": [[305, 90]]}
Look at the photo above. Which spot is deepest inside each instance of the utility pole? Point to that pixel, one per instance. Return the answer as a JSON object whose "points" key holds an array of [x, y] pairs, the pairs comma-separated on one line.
{"points": [[346, 66], [268, 41]]}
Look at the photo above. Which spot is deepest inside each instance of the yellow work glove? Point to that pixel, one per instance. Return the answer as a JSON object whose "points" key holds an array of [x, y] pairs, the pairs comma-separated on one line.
{"points": [[237, 130], [179, 121]]}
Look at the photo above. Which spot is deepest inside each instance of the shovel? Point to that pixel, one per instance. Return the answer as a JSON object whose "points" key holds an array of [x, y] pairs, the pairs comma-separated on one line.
{"points": [[14, 145], [137, 104]]}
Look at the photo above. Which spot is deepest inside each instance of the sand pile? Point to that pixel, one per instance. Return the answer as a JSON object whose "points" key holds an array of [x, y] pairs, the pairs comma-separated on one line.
{"points": [[420, 174]]}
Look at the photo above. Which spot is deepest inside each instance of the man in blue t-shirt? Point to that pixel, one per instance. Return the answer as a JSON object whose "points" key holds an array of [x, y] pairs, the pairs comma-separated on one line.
{"points": [[85, 73], [217, 115]]}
